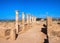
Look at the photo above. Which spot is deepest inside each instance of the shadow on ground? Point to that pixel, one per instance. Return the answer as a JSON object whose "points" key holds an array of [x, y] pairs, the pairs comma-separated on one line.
{"points": [[44, 30]]}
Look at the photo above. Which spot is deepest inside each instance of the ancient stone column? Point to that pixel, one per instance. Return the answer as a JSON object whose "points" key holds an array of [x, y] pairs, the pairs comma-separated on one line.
{"points": [[49, 24], [49, 21], [49, 27], [35, 19], [30, 19], [16, 21], [23, 23], [27, 19]]}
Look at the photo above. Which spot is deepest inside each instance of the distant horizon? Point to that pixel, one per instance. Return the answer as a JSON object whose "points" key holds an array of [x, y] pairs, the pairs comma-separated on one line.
{"points": [[21, 19]]}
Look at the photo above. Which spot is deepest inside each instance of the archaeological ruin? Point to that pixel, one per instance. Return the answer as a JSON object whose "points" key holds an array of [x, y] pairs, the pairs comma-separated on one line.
{"points": [[29, 30]]}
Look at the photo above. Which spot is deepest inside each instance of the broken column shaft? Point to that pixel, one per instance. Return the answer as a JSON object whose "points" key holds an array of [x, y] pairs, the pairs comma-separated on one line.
{"points": [[23, 20]]}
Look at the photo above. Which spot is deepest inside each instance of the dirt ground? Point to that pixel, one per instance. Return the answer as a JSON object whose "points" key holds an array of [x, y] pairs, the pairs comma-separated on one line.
{"points": [[33, 35]]}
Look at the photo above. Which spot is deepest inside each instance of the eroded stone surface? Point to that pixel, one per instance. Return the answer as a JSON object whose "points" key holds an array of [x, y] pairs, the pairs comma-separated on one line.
{"points": [[53, 31]]}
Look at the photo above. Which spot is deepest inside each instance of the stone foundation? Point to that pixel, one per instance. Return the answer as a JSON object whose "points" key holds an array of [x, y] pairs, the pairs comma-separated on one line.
{"points": [[8, 34]]}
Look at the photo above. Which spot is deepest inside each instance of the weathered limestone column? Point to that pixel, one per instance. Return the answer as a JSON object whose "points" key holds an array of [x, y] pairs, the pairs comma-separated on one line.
{"points": [[49, 28], [49, 21], [30, 19], [16, 21], [35, 19], [23, 20], [49, 24], [27, 19]]}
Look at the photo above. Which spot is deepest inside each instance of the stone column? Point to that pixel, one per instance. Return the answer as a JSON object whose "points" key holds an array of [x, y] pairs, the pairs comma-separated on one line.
{"points": [[49, 21], [30, 19], [23, 20], [35, 19], [16, 21], [49, 24], [49, 28], [27, 19]]}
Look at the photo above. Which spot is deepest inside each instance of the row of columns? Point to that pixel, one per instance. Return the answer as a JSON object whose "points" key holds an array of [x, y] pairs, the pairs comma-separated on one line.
{"points": [[29, 19]]}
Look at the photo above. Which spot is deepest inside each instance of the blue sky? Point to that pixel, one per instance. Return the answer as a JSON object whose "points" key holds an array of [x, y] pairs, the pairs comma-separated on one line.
{"points": [[38, 8]]}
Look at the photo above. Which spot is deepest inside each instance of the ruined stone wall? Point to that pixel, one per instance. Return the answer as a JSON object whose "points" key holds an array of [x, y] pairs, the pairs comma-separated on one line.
{"points": [[7, 30], [8, 34], [53, 31]]}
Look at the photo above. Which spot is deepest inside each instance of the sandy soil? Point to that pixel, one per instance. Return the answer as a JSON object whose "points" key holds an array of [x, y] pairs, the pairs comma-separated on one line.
{"points": [[33, 35]]}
